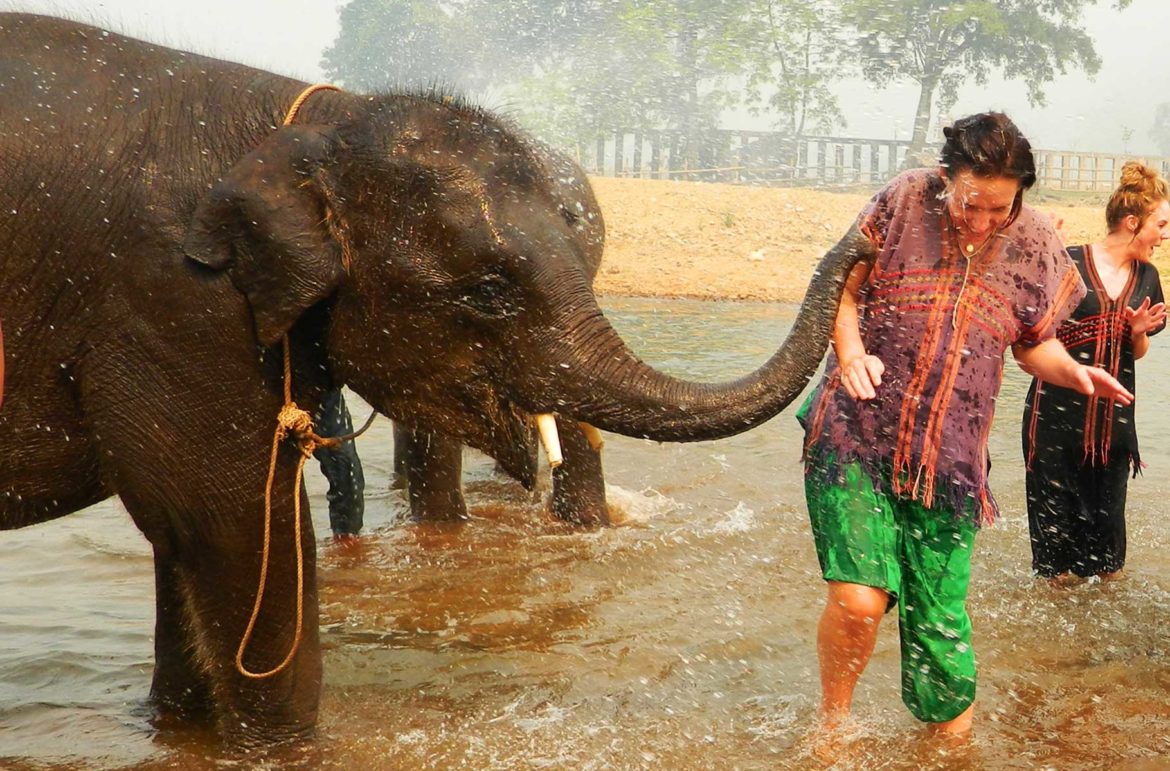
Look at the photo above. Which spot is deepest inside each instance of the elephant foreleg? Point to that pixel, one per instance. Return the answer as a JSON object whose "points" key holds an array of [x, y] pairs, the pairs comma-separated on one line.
{"points": [[434, 472], [398, 480], [219, 585], [180, 687], [578, 483]]}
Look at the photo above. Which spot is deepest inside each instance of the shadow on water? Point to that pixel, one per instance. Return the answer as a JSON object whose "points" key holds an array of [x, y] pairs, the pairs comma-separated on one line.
{"points": [[682, 639]]}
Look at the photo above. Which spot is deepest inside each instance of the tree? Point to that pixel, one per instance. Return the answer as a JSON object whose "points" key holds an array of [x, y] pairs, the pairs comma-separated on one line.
{"points": [[794, 50], [587, 64], [628, 64], [400, 43], [571, 69], [941, 44], [467, 45]]}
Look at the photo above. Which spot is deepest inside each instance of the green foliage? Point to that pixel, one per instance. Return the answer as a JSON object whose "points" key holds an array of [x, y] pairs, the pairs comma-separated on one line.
{"points": [[570, 69], [792, 57], [941, 44], [399, 44], [637, 64]]}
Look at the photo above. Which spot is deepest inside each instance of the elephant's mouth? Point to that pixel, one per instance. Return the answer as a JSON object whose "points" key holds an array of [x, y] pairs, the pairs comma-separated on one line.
{"points": [[512, 440]]}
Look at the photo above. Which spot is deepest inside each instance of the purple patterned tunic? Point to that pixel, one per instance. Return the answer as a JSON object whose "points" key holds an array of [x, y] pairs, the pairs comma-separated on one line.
{"points": [[940, 323]]}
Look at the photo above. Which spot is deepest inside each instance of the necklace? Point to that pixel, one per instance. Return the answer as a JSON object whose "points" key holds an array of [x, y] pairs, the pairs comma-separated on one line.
{"points": [[970, 251], [967, 249]]}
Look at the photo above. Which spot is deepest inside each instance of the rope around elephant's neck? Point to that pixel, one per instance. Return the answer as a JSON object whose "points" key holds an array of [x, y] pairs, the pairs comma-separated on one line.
{"points": [[291, 420], [291, 115]]}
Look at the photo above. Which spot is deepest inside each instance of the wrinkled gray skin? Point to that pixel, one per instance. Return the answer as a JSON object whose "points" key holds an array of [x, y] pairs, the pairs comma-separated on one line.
{"points": [[430, 464], [160, 233]]}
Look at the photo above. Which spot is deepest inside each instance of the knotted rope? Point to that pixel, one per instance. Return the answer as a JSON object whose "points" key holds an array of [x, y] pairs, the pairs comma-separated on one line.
{"points": [[294, 421]]}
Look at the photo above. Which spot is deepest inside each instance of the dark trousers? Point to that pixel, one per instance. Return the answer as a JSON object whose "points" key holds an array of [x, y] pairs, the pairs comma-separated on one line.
{"points": [[341, 466], [1076, 516]]}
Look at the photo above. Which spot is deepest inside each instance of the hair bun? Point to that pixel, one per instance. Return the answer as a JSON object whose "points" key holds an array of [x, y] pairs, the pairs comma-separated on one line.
{"points": [[1141, 189], [1135, 175]]}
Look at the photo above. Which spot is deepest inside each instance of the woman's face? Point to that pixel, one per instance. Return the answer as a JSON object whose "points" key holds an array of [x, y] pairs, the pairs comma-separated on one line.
{"points": [[980, 205], [1152, 232]]}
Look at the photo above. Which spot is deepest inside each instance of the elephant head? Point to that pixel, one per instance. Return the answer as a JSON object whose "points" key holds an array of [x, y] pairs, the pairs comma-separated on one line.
{"points": [[456, 267]]}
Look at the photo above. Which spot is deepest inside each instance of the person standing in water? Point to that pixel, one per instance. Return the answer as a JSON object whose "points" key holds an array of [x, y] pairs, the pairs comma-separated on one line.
{"points": [[896, 432], [342, 468], [1079, 450]]}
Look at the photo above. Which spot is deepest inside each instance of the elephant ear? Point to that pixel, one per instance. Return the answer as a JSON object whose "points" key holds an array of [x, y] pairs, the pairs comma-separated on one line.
{"points": [[267, 223]]}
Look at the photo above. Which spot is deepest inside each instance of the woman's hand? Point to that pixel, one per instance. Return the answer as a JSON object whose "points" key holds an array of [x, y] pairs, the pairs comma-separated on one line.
{"points": [[1094, 381], [1145, 318], [861, 375], [1050, 362]]}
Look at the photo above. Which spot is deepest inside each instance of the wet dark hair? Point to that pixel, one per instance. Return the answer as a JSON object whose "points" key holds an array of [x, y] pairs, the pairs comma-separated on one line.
{"points": [[988, 144]]}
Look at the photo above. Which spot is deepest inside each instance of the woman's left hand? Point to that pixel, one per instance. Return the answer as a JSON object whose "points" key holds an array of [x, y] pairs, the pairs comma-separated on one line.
{"points": [[1145, 318], [1094, 381]]}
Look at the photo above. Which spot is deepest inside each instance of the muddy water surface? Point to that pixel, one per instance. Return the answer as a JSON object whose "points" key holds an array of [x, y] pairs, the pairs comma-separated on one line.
{"points": [[682, 639]]}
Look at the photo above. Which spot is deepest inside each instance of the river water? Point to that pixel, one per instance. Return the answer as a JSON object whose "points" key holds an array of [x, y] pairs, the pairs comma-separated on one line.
{"points": [[683, 638]]}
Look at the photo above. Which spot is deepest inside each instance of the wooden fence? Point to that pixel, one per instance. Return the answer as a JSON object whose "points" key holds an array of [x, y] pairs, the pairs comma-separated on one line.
{"points": [[767, 158]]}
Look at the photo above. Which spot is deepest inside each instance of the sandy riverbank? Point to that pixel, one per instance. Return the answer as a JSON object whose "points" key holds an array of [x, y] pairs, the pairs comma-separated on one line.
{"points": [[716, 241]]}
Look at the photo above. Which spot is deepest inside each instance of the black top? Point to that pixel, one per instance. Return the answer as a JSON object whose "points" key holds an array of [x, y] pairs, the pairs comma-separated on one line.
{"points": [[1097, 334]]}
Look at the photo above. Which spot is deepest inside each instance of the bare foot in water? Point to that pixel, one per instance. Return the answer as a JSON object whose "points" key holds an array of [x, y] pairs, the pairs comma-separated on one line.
{"points": [[1063, 580], [824, 746], [957, 728], [348, 545], [828, 742]]}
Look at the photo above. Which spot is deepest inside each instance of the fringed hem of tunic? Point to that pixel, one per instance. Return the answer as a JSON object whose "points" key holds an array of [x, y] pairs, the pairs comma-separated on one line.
{"points": [[948, 497]]}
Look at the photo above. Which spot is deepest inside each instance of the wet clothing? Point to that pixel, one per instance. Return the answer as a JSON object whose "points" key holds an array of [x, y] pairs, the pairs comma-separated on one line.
{"points": [[1076, 515], [897, 485], [341, 466], [864, 536], [940, 323], [1079, 451]]}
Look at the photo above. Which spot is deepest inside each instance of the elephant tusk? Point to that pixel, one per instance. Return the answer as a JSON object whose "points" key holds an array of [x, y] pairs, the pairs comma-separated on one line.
{"points": [[546, 424], [593, 435]]}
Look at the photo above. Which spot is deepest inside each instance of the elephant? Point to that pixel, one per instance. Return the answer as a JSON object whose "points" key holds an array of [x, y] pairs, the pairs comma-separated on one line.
{"points": [[429, 464], [194, 252]]}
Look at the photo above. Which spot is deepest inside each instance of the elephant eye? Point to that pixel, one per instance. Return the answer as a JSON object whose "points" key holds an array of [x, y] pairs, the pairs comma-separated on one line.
{"points": [[490, 296], [569, 215]]}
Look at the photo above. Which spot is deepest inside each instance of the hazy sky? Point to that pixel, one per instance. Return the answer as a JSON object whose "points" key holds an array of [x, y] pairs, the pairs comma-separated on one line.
{"points": [[289, 36]]}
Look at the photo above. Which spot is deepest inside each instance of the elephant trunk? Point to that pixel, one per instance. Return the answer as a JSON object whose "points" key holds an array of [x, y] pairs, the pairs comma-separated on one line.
{"points": [[600, 381]]}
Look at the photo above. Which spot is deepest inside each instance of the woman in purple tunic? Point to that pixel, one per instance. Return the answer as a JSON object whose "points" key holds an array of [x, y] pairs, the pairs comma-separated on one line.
{"points": [[958, 271], [1079, 450]]}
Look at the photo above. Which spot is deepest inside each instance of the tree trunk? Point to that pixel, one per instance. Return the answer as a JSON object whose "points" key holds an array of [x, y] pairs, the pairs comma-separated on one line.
{"points": [[688, 65], [915, 155]]}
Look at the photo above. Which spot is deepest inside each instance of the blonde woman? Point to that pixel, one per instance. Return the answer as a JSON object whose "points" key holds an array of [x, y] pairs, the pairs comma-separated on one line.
{"points": [[1080, 450]]}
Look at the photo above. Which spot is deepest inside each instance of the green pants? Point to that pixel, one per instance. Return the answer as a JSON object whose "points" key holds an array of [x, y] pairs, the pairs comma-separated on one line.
{"points": [[922, 558]]}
